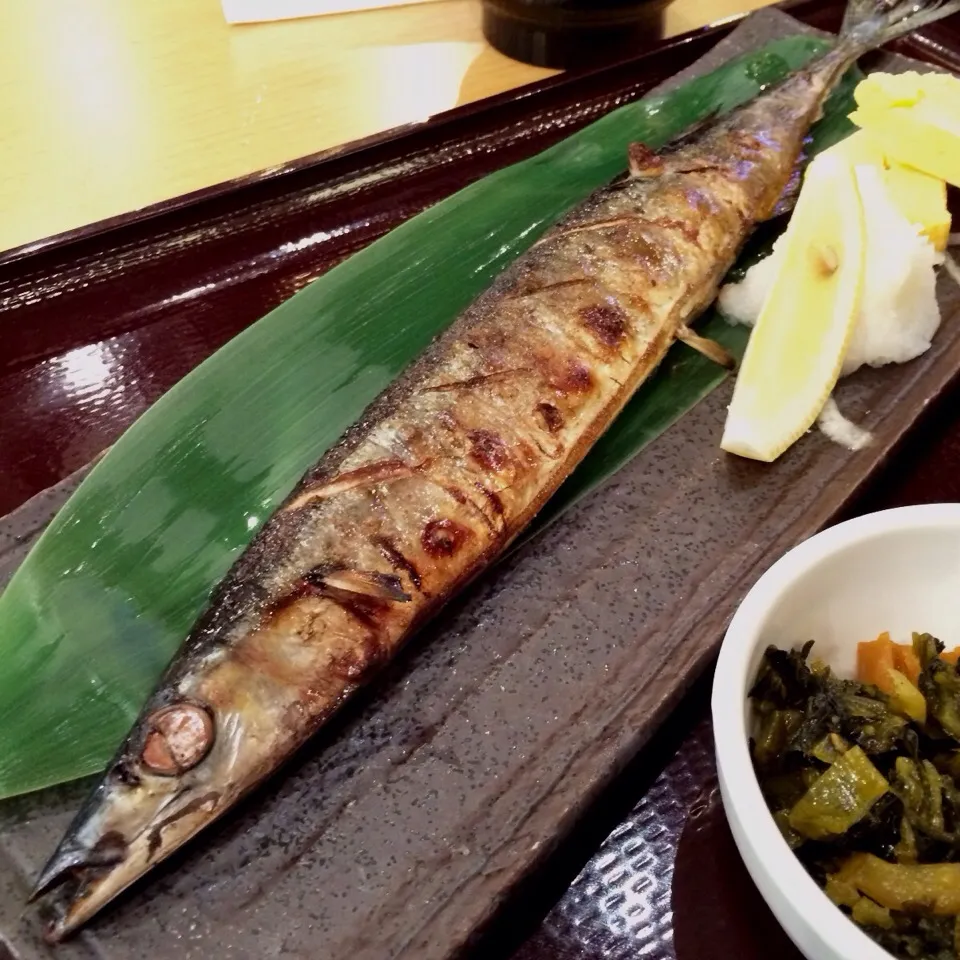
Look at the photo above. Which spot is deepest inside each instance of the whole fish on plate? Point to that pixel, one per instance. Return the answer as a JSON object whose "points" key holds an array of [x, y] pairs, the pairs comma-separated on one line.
{"points": [[442, 471]]}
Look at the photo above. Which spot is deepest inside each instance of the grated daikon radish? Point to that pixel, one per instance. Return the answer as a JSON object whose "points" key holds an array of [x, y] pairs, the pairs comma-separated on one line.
{"points": [[898, 315], [841, 430]]}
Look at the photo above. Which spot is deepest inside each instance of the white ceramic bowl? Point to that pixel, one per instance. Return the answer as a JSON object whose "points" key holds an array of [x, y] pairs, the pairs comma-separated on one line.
{"points": [[897, 570]]}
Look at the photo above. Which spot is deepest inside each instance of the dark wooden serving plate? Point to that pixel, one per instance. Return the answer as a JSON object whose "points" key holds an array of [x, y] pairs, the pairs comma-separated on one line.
{"points": [[443, 795]]}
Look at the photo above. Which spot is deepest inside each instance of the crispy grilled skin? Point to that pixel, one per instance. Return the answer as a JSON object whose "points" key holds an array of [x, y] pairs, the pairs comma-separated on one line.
{"points": [[451, 463]]}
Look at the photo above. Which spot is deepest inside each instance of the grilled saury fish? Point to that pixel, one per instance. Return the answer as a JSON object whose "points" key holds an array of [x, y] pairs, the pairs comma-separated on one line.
{"points": [[442, 471]]}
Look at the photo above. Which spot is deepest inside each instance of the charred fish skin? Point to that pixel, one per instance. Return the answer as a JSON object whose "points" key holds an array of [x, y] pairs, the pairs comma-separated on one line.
{"points": [[440, 474]]}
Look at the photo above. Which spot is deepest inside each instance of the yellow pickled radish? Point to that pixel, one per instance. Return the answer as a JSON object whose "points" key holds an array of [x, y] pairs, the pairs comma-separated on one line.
{"points": [[881, 91], [797, 348], [915, 118], [920, 197]]}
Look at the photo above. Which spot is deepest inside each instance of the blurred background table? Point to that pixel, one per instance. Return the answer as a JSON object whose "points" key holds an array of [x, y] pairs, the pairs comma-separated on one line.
{"points": [[107, 106]]}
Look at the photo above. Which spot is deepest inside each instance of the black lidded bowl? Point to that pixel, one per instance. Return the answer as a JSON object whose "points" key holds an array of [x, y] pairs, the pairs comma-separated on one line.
{"points": [[568, 34]]}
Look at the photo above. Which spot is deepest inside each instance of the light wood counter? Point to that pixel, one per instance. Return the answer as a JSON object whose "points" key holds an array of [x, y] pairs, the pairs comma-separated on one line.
{"points": [[109, 105]]}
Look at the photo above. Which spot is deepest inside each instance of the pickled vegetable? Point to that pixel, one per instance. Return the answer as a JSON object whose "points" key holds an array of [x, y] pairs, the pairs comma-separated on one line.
{"points": [[906, 661], [875, 661], [894, 669], [870, 914], [939, 684], [863, 780], [913, 888], [906, 698], [839, 798], [831, 748]]}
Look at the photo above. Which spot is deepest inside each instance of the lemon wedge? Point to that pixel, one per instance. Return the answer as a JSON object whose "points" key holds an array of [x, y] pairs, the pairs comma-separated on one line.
{"points": [[796, 351]]}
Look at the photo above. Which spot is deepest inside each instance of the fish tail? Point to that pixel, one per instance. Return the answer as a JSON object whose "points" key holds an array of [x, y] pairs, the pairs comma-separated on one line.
{"points": [[872, 23]]}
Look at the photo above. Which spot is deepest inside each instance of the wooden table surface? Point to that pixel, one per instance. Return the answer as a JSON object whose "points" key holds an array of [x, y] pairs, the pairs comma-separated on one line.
{"points": [[109, 105]]}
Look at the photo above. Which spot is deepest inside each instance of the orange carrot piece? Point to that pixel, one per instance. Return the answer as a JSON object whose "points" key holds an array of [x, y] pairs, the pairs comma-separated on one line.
{"points": [[951, 656], [907, 662], [875, 661]]}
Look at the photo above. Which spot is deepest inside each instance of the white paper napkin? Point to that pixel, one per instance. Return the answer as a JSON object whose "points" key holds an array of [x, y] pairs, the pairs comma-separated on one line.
{"points": [[260, 11]]}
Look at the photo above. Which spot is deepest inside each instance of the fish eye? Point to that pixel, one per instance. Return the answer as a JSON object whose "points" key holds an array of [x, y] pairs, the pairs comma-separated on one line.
{"points": [[178, 737]]}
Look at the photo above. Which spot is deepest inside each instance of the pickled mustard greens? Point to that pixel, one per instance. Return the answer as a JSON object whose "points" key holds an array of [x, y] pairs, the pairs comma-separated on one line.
{"points": [[839, 798], [863, 779]]}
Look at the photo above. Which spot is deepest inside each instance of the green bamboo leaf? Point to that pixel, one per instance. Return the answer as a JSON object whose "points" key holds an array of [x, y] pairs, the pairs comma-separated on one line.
{"points": [[107, 594]]}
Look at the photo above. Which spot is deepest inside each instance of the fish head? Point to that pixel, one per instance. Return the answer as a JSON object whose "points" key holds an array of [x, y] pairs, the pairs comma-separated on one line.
{"points": [[184, 763], [222, 718]]}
